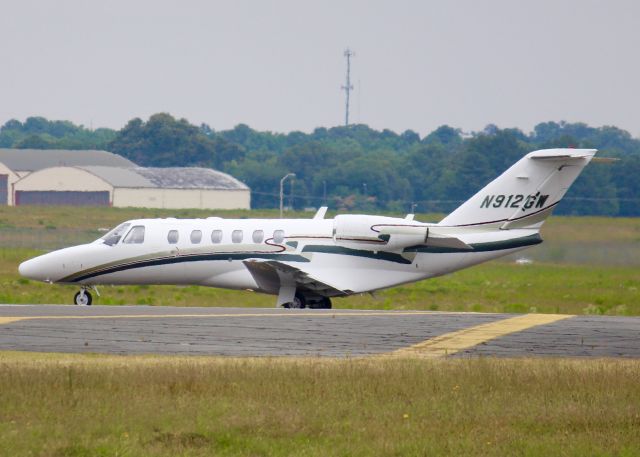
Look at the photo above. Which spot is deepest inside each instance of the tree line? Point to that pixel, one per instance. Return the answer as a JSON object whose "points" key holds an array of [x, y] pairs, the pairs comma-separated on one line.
{"points": [[357, 168]]}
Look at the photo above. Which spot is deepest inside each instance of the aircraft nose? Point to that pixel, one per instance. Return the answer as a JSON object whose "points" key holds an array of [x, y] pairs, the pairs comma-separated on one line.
{"points": [[32, 269]]}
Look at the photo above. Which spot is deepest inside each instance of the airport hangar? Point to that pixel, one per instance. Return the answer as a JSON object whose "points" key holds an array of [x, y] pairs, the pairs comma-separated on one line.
{"points": [[101, 178]]}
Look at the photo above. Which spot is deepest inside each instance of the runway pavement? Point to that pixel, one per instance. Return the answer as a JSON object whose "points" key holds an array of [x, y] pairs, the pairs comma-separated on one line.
{"points": [[328, 333]]}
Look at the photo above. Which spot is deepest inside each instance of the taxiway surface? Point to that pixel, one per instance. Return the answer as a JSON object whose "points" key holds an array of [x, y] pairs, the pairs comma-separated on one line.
{"points": [[329, 333]]}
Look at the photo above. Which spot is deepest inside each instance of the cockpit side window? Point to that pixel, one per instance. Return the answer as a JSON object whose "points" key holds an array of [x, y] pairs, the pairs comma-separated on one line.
{"points": [[114, 235], [135, 235]]}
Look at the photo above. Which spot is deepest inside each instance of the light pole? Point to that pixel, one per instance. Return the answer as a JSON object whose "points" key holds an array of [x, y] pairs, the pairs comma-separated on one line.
{"points": [[282, 191], [324, 193], [364, 194]]}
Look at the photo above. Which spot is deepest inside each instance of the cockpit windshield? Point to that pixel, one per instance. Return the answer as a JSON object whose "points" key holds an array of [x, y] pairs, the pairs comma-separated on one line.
{"points": [[114, 235]]}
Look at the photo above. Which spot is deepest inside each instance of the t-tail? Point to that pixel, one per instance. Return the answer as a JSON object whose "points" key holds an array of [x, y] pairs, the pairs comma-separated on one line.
{"points": [[524, 195]]}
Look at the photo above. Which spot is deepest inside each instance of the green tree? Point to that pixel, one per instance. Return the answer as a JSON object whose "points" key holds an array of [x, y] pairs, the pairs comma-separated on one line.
{"points": [[164, 141]]}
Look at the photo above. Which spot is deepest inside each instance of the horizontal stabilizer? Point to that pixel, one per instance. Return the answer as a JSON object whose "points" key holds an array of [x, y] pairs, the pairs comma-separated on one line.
{"points": [[411, 235], [441, 240], [555, 154]]}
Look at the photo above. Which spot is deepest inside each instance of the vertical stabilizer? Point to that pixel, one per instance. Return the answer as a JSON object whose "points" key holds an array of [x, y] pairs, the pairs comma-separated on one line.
{"points": [[524, 195]]}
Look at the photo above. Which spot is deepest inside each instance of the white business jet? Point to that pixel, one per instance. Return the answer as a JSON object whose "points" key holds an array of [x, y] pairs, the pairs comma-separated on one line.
{"points": [[305, 262]]}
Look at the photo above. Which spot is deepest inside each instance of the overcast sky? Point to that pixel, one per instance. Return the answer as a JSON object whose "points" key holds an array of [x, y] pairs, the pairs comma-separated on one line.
{"points": [[279, 65]]}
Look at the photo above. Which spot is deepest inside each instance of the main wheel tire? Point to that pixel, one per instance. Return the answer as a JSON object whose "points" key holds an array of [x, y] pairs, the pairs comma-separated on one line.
{"points": [[83, 299], [298, 302], [326, 303]]}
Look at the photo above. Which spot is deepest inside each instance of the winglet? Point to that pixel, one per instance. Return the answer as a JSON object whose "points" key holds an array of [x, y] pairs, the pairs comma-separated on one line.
{"points": [[321, 212]]}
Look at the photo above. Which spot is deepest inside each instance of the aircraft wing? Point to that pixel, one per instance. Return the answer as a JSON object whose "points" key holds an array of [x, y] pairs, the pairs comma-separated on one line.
{"points": [[270, 275]]}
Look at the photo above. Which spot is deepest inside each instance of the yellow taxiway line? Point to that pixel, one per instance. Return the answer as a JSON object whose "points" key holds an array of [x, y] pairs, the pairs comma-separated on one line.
{"points": [[7, 320], [457, 341]]}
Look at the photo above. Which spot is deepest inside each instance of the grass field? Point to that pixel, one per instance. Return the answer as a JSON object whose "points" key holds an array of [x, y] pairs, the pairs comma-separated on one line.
{"points": [[54, 405], [62, 405], [587, 265]]}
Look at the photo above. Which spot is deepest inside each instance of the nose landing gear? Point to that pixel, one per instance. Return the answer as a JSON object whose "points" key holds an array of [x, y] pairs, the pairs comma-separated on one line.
{"points": [[83, 298]]}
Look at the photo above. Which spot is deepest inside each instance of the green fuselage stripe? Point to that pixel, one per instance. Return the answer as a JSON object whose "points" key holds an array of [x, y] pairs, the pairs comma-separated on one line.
{"points": [[131, 264]]}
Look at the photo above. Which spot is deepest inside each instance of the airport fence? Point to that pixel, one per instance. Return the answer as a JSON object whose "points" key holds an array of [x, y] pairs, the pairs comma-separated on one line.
{"points": [[45, 238]]}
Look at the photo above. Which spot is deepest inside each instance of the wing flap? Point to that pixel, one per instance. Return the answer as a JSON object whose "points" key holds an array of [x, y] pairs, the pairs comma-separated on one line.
{"points": [[270, 275]]}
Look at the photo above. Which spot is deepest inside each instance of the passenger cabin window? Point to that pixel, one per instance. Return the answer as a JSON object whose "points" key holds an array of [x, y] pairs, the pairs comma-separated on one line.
{"points": [[216, 236], [135, 235], [278, 236], [258, 236], [114, 235], [172, 236], [236, 236], [196, 236]]}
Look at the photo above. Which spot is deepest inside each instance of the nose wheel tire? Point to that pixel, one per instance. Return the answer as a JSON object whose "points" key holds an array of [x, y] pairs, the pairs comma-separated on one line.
{"points": [[83, 298]]}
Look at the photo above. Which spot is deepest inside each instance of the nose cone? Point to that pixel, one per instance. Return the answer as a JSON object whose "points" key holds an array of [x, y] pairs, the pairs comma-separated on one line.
{"points": [[33, 269], [57, 265]]}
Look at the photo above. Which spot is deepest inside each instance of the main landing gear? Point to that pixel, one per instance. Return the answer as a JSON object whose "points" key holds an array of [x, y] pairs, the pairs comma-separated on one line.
{"points": [[83, 298], [300, 301]]}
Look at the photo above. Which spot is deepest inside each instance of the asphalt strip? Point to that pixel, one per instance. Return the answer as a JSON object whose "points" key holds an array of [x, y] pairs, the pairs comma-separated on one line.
{"points": [[437, 346]]}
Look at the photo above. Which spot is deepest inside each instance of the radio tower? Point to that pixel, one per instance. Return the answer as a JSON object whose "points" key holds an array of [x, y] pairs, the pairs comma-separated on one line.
{"points": [[348, 53]]}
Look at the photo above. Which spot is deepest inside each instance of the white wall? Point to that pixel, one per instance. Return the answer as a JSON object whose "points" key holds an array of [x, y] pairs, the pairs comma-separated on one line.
{"points": [[62, 179], [12, 178], [182, 198]]}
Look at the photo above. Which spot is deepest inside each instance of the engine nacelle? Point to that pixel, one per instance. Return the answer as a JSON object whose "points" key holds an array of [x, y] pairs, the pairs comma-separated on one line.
{"points": [[377, 233], [354, 228]]}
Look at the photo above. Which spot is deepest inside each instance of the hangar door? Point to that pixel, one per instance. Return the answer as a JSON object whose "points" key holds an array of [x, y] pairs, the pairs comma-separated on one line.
{"points": [[59, 198], [4, 185]]}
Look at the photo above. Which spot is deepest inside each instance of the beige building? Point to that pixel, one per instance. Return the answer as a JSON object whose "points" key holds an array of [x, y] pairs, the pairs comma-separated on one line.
{"points": [[18, 163], [101, 184]]}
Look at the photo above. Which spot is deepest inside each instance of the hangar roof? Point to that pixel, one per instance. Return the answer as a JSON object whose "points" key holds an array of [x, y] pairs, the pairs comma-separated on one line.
{"points": [[190, 178], [167, 178], [37, 159], [119, 176]]}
